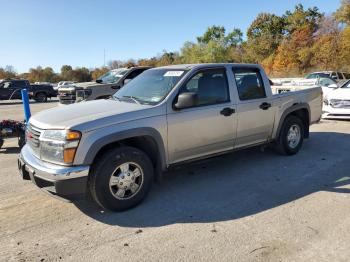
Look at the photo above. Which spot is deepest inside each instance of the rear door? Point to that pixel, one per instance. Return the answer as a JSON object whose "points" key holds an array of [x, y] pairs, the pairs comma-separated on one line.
{"points": [[17, 86], [208, 127], [255, 110]]}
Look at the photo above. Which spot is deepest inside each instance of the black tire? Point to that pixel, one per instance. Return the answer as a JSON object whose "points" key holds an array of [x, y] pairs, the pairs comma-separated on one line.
{"points": [[107, 165], [21, 140], [283, 147], [40, 97]]}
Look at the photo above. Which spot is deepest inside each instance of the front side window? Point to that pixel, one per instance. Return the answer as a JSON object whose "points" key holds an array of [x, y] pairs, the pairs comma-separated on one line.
{"points": [[249, 84], [210, 86], [150, 87], [326, 81], [6, 85]]}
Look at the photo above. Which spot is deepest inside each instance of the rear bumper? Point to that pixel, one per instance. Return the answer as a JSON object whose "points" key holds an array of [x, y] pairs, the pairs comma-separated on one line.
{"points": [[60, 181]]}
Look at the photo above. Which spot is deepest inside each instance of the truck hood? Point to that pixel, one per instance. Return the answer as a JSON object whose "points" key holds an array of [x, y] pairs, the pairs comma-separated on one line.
{"points": [[84, 85], [81, 115], [339, 93]]}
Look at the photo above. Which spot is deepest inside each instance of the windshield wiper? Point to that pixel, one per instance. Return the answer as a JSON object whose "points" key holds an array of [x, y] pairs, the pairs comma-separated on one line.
{"points": [[133, 99]]}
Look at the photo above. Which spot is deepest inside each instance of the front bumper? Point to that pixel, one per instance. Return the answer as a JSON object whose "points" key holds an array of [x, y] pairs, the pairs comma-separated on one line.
{"points": [[61, 181], [329, 112]]}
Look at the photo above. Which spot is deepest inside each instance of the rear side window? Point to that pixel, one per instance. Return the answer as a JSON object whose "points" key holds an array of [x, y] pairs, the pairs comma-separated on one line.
{"points": [[249, 83], [340, 75], [19, 83], [134, 73], [210, 85]]}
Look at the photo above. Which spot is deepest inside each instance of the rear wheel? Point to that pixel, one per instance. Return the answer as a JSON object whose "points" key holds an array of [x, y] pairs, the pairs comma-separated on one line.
{"points": [[121, 178], [291, 136], [41, 97]]}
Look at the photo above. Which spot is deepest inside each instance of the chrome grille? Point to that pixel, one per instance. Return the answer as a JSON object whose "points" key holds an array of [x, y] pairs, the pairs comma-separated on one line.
{"points": [[32, 135]]}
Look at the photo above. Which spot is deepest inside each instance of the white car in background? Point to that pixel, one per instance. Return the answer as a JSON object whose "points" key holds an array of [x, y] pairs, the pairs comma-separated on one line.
{"points": [[336, 104]]}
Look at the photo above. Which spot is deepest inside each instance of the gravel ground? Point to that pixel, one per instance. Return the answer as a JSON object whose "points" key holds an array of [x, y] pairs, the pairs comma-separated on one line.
{"points": [[246, 206]]}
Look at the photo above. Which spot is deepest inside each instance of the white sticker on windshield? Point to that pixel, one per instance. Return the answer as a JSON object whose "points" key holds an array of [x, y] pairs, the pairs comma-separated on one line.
{"points": [[173, 73]]}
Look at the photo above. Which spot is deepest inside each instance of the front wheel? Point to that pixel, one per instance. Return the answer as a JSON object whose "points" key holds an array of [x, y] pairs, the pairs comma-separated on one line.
{"points": [[121, 178], [291, 136]]}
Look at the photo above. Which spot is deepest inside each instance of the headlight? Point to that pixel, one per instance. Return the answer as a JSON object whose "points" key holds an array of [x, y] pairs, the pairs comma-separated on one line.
{"points": [[83, 94], [325, 101], [59, 146]]}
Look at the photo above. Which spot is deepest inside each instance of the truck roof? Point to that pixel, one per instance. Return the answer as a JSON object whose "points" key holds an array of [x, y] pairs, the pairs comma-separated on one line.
{"points": [[133, 67], [191, 66]]}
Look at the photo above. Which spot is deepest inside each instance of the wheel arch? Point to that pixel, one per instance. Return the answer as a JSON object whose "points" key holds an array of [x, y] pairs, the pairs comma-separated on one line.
{"points": [[302, 111], [148, 140]]}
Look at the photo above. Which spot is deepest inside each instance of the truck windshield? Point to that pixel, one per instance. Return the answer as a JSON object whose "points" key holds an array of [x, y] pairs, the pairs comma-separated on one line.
{"points": [[346, 85], [112, 76], [151, 86]]}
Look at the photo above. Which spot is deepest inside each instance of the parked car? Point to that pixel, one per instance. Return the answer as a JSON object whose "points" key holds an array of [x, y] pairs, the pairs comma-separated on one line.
{"points": [[337, 103], [166, 116], [41, 93], [103, 87], [11, 89], [326, 83], [337, 76]]}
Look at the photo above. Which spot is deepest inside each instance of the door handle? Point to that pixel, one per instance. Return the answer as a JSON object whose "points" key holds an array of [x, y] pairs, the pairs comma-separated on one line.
{"points": [[265, 106], [227, 111]]}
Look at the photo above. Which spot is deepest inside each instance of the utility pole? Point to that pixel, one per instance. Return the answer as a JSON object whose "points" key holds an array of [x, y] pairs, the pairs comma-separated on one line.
{"points": [[104, 57]]}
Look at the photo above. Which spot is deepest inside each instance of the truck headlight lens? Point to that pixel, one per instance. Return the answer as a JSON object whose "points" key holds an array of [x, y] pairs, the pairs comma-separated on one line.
{"points": [[59, 146], [83, 94]]}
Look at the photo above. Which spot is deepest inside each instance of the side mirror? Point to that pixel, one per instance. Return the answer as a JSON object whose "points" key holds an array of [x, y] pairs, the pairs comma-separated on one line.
{"points": [[116, 87], [186, 100], [126, 81], [99, 81]]}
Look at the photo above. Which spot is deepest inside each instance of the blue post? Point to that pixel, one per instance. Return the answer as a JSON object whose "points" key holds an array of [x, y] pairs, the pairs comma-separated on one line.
{"points": [[26, 107]]}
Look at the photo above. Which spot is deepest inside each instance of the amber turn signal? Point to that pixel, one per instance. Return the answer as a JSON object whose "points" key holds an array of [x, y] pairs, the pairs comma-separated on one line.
{"points": [[73, 135], [68, 155]]}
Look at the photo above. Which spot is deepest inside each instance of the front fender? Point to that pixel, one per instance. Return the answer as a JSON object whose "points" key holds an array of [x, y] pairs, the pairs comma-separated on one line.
{"points": [[99, 143]]}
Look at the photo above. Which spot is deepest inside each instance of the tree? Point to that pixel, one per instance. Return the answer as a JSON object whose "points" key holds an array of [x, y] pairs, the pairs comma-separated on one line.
{"points": [[66, 72], [7, 72], [326, 48], [264, 36], [343, 13], [301, 18], [294, 54], [97, 72], [213, 33]]}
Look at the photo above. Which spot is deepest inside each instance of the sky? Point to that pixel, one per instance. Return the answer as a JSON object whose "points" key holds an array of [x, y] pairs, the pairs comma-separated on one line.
{"points": [[55, 33]]}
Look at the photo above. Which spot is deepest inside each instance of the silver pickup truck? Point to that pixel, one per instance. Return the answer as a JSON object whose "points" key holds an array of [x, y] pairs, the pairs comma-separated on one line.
{"points": [[115, 148]]}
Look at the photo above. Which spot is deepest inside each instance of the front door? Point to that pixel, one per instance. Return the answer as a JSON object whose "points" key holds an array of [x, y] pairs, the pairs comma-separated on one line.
{"points": [[5, 90], [208, 127]]}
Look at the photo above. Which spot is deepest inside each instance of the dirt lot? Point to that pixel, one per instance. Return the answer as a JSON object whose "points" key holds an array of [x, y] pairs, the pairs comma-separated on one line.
{"points": [[246, 206]]}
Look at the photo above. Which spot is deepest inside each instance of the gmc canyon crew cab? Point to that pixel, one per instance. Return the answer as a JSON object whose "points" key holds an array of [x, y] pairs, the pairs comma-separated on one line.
{"points": [[115, 148], [103, 87]]}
